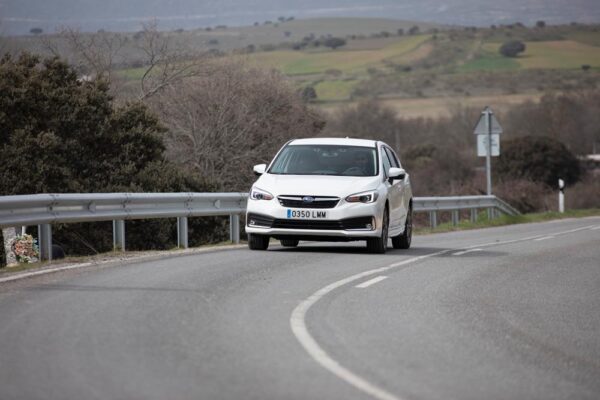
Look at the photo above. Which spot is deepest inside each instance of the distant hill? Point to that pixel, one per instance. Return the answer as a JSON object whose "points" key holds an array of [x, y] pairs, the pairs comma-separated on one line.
{"points": [[19, 16]]}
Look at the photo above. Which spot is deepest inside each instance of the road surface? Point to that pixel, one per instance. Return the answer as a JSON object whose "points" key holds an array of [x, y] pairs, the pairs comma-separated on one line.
{"points": [[501, 313]]}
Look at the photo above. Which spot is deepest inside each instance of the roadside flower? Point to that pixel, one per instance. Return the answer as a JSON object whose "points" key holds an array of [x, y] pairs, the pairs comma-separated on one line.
{"points": [[25, 248]]}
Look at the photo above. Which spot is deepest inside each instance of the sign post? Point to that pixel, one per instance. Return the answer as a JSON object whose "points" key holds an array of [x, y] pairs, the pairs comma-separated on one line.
{"points": [[488, 132]]}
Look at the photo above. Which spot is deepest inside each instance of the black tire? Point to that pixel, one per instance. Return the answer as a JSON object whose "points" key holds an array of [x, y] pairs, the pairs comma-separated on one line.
{"points": [[289, 242], [403, 241], [379, 245], [257, 242]]}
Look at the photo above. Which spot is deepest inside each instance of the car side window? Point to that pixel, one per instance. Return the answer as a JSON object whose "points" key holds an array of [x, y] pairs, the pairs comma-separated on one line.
{"points": [[392, 157], [386, 162]]}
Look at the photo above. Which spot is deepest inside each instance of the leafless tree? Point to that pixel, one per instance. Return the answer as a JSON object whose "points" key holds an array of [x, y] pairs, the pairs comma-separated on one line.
{"points": [[94, 54], [165, 63], [102, 53], [222, 124]]}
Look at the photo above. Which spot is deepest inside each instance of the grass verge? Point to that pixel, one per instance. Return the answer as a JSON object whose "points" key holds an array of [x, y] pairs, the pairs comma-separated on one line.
{"points": [[483, 222]]}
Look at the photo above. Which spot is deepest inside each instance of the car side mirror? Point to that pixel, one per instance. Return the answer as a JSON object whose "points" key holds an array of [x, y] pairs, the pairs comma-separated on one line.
{"points": [[259, 169], [396, 173]]}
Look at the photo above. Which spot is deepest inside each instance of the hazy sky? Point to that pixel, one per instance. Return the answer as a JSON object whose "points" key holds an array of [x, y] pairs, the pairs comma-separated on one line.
{"points": [[19, 16]]}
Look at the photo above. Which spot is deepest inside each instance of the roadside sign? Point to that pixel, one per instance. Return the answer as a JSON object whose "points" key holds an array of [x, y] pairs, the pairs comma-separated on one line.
{"points": [[482, 128], [482, 145]]}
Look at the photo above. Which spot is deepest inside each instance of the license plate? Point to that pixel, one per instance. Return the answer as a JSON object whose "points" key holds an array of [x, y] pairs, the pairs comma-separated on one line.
{"points": [[306, 214]]}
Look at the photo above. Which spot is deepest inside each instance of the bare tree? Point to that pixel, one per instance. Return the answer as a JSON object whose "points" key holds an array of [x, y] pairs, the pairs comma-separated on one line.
{"points": [[94, 54], [165, 63], [102, 53], [222, 124]]}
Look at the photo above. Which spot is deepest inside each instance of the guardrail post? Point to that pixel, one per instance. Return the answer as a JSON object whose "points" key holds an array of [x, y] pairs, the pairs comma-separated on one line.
{"points": [[234, 228], [45, 241], [433, 219], [455, 217], [490, 213], [182, 232], [474, 215], [119, 235]]}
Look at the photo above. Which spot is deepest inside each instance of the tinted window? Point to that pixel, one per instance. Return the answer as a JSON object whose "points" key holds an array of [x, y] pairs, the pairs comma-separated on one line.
{"points": [[386, 162], [392, 157], [326, 160]]}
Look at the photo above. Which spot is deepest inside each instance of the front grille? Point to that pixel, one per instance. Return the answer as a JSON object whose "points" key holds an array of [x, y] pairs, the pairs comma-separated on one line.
{"points": [[335, 225], [299, 202]]}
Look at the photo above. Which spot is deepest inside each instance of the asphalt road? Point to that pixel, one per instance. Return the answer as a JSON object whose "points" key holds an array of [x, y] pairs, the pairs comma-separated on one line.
{"points": [[502, 313]]}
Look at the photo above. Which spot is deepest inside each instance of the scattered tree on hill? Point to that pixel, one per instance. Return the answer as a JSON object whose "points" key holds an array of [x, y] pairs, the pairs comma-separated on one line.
{"points": [[334, 42], [585, 67], [539, 159], [308, 94], [413, 30], [400, 31], [36, 31], [540, 24], [512, 48]]}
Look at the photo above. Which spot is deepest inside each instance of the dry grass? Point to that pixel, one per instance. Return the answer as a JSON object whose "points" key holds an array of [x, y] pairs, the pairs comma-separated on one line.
{"points": [[439, 107]]}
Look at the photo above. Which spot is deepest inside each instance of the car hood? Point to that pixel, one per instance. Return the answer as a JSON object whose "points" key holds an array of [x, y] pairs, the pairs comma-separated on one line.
{"points": [[316, 185]]}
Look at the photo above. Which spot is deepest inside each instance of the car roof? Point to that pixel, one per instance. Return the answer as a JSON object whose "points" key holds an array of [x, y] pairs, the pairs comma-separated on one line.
{"points": [[335, 141]]}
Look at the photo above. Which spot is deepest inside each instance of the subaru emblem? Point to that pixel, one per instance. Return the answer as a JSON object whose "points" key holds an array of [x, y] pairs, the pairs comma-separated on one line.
{"points": [[308, 199]]}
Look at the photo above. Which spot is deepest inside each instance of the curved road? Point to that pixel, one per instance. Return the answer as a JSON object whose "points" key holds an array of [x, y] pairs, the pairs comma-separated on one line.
{"points": [[502, 313]]}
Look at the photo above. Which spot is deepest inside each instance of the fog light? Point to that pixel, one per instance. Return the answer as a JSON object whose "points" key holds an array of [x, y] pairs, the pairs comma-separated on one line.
{"points": [[369, 226], [252, 222]]}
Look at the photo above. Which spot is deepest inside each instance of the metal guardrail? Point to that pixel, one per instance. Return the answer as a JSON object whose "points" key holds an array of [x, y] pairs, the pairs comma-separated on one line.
{"points": [[455, 204], [46, 209]]}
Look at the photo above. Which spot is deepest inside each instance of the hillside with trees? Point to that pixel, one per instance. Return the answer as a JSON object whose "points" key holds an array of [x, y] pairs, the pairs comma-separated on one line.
{"points": [[158, 111]]}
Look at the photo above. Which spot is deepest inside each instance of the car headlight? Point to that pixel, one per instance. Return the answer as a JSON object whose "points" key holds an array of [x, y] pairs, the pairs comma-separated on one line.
{"points": [[364, 197], [259, 194]]}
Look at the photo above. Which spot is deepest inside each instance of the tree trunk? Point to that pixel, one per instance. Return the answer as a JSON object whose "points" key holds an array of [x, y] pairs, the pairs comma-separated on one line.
{"points": [[9, 235]]}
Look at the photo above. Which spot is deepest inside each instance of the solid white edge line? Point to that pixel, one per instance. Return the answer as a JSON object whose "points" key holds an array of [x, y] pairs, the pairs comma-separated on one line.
{"points": [[370, 282], [300, 330]]}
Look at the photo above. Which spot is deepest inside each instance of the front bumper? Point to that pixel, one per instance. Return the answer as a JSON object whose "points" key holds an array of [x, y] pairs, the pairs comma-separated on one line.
{"points": [[346, 220]]}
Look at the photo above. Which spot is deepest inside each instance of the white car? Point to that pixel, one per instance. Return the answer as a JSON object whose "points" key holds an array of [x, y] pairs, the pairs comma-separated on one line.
{"points": [[331, 189]]}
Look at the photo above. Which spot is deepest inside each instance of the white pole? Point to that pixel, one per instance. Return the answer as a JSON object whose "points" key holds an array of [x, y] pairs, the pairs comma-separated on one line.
{"points": [[561, 196], [488, 156]]}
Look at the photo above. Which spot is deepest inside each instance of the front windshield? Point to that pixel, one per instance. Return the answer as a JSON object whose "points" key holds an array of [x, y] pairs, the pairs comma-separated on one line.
{"points": [[326, 160]]}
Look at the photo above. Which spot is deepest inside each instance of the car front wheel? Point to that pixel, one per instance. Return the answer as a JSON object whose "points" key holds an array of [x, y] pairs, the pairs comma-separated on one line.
{"points": [[403, 241], [258, 242], [379, 245]]}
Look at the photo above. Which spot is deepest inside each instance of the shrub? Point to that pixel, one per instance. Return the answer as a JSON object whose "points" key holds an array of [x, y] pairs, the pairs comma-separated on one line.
{"points": [[65, 135], [539, 159], [334, 42], [512, 48]]}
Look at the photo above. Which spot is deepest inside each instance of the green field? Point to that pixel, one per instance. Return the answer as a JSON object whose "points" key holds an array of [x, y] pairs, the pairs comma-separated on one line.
{"points": [[319, 61], [559, 54], [489, 61]]}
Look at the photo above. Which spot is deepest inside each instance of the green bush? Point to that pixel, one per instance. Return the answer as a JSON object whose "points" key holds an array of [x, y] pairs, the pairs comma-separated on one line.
{"points": [[63, 135], [539, 159]]}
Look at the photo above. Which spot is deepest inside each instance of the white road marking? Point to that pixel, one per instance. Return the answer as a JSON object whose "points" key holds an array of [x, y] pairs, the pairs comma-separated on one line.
{"points": [[300, 330], [544, 238], [460, 253], [371, 282], [595, 228]]}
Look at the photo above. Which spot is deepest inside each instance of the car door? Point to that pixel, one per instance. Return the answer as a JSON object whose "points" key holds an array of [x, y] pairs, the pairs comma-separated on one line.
{"points": [[395, 197]]}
